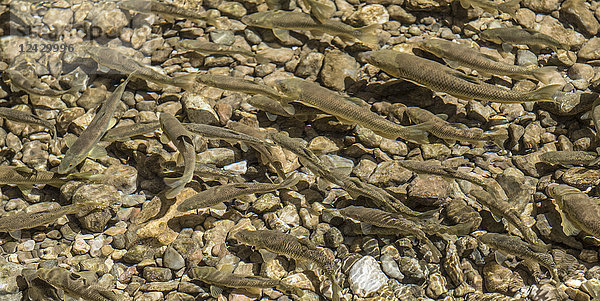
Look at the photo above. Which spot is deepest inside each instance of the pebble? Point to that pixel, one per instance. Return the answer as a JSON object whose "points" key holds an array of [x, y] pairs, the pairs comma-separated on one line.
{"points": [[366, 277], [338, 67]]}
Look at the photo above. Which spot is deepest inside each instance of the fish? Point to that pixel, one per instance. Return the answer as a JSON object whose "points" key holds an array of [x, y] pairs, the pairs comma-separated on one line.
{"points": [[439, 78], [184, 142], [222, 193], [35, 87], [168, 11], [27, 118], [521, 36], [517, 247], [274, 107], [460, 55], [124, 132], [321, 10], [86, 144], [577, 210], [24, 177], [501, 208], [206, 171], [116, 60], [214, 277], [220, 49], [229, 135], [313, 95], [26, 220], [385, 219], [298, 249], [353, 186], [75, 285], [510, 7], [282, 21], [570, 157], [434, 168], [454, 132], [237, 84]]}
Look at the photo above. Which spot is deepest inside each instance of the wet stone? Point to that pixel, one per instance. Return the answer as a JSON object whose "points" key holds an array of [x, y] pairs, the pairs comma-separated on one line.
{"points": [[366, 276]]}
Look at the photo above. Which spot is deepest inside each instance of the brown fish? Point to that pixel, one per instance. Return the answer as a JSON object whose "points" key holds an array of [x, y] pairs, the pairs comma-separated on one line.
{"points": [[184, 142]]}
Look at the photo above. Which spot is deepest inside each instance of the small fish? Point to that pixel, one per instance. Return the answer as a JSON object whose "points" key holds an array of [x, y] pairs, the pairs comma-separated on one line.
{"points": [[75, 285], [298, 249], [510, 7], [25, 177], [184, 141], [168, 11], [26, 220], [86, 144], [215, 277], [453, 132], [313, 95], [219, 194], [237, 84], [520, 36], [282, 21], [321, 10], [116, 60], [33, 86], [27, 118], [385, 219], [455, 54], [501, 208], [439, 78], [220, 49], [229, 135], [595, 114], [570, 157], [515, 246], [122, 133], [577, 210], [275, 107]]}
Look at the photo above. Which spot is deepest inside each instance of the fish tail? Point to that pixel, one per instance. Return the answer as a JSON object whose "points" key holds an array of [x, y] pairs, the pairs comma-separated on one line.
{"points": [[289, 181], [368, 35], [510, 7], [185, 81], [175, 184], [417, 133], [499, 137], [545, 94], [544, 74]]}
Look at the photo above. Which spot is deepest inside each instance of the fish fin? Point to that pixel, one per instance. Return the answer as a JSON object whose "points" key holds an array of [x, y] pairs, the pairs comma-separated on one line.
{"points": [[496, 218], [442, 116], [173, 192], [418, 133], [267, 256], [465, 4], [179, 159], [112, 122], [243, 147], [489, 57], [452, 63], [69, 140], [545, 74], [545, 93], [289, 108], [500, 257], [568, 227], [172, 182], [460, 126], [321, 11], [510, 7], [15, 234], [215, 291], [164, 139], [290, 181], [227, 268], [365, 228], [498, 137], [97, 152], [25, 188], [357, 101], [507, 47], [281, 34], [306, 242], [449, 141], [368, 36], [185, 81], [271, 117], [219, 206], [254, 290], [344, 121]]}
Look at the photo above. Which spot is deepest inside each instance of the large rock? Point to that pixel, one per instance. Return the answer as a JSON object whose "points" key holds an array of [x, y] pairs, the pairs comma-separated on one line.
{"points": [[339, 69], [541, 6], [578, 13], [366, 277], [590, 50], [555, 29], [105, 196]]}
